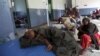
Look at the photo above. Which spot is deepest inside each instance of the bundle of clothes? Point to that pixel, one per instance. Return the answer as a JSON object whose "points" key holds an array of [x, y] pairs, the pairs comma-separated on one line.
{"points": [[62, 43], [70, 23]]}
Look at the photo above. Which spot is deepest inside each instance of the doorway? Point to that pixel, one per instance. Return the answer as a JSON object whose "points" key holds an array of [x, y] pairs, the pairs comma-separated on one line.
{"points": [[50, 9], [20, 13]]}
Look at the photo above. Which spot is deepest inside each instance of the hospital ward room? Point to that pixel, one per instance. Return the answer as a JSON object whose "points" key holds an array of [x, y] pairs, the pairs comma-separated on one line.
{"points": [[49, 27]]}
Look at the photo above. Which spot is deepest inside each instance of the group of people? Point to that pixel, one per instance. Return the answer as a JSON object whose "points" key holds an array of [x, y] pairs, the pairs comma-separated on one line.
{"points": [[61, 41], [88, 32]]}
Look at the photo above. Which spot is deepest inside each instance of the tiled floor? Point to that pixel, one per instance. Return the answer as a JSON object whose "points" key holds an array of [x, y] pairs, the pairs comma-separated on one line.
{"points": [[89, 53]]}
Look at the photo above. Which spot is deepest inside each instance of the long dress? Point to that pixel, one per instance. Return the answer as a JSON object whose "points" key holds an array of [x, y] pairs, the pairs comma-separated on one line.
{"points": [[89, 35]]}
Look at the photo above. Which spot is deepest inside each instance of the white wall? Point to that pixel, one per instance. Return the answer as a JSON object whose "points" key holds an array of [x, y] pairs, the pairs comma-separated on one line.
{"points": [[74, 3], [58, 4], [37, 4], [89, 3], [42, 4]]}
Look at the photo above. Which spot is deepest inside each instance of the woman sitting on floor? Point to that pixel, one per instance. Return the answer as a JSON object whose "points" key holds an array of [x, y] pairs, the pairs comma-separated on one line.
{"points": [[88, 33]]}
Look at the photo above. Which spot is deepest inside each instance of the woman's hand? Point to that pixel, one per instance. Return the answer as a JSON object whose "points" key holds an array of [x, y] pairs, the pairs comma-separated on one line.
{"points": [[49, 47]]}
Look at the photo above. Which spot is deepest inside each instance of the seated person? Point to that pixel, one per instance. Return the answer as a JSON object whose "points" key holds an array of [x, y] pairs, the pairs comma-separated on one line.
{"points": [[87, 34], [93, 15], [97, 14], [61, 42]]}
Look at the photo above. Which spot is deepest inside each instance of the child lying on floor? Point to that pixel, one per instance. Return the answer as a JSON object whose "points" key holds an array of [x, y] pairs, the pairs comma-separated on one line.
{"points": [[61, 42]]}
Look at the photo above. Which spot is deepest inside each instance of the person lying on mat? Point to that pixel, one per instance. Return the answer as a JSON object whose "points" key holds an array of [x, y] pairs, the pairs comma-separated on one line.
{"points": [[32, 38], [59, 41], [88, 33]]}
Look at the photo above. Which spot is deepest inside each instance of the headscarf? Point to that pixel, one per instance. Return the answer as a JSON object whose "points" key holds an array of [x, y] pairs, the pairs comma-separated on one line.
{"points": [[86, 19]]}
